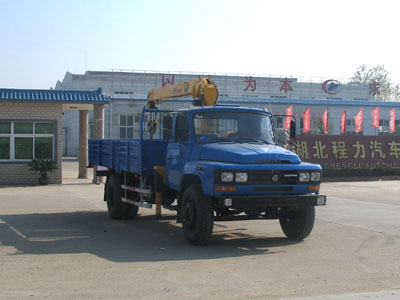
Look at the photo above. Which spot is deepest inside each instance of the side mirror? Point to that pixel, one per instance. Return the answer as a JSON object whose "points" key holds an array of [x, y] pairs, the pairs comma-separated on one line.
{"points": [[293, 129]]}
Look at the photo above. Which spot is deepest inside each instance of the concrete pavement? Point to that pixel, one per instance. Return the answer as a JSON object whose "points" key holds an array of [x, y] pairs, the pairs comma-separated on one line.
{"points": [[57, 242]]}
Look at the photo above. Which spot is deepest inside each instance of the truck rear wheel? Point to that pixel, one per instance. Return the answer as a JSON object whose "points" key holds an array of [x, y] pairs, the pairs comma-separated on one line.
{"points": [[197, 215], [299, 225], [116, 208]]}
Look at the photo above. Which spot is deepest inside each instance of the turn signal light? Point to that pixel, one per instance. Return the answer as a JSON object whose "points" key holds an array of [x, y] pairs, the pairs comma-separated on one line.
{"points": [[221, 188], [313, 187]]}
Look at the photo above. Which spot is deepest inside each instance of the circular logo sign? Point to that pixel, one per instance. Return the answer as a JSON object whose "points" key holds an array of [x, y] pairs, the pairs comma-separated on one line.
{"points": [[331, 86]]}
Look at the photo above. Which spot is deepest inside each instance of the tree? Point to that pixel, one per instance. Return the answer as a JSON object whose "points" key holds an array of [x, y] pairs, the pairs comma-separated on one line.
{"points": [[319, 128], [388, 90]]}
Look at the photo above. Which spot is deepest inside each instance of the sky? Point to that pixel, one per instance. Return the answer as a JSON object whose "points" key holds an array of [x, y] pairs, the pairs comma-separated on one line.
{"points": [[41, 40]]}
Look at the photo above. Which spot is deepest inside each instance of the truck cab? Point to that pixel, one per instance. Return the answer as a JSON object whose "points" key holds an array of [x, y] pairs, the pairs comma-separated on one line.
{"points": [[229, 157]]}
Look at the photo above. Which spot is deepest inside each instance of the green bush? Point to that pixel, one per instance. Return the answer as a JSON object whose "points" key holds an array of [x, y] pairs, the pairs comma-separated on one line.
{"points": [[347, 172], [43, 165]]}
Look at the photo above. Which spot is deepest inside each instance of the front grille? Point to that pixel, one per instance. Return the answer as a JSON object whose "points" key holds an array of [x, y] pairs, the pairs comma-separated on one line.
{"points": [[273, 177], [274, 189]]}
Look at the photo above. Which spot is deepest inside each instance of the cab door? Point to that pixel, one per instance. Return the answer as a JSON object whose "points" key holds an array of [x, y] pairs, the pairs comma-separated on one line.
{"points": [[178, 152]]}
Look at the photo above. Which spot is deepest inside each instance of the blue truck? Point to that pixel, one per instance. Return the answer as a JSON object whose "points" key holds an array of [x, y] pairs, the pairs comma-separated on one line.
{"points": [[209, 163]]}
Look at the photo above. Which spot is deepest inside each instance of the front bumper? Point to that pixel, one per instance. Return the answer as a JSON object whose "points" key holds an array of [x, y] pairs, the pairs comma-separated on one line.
{"points": [[261, 201]]}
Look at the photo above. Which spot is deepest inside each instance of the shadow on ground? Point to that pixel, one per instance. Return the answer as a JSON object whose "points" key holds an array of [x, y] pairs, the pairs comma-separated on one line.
{"points": [[142, 239]]}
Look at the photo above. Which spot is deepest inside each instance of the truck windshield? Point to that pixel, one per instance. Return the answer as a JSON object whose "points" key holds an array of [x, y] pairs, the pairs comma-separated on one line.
{"points": [[241, 127]]}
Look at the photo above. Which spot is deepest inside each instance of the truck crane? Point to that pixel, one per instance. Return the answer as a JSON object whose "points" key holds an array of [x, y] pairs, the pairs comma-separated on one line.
{"points": [[203, 91], [217, 163]]}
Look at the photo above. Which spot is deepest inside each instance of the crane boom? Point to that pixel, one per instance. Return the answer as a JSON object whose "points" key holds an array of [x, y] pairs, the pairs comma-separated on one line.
{"points": [[203, 91]]}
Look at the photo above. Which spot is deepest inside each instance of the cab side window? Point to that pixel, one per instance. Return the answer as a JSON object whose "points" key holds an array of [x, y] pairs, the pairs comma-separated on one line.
{"points": [[181, 128]]}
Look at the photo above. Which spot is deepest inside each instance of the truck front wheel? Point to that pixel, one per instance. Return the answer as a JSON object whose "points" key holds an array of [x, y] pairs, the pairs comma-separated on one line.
{"points": [[197, 215], [298, 225]]}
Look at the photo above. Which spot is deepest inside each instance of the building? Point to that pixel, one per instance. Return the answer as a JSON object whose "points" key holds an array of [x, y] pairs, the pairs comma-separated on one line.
{"points": [[128, 93], [31, 127]]}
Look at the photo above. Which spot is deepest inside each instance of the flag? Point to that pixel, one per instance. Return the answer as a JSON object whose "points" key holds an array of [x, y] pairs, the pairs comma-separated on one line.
{"points": [[343, 122], [358, 121], [392, 122], [289, 114], [325, 117], [375, 117], [306, 120]]}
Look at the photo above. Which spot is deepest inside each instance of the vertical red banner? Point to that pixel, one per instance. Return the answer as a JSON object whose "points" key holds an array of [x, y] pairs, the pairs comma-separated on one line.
{"points": [[392, 122], [343, 122], [325, 117], [289, 113], [358, 121], [307, 120], [375, 117]]}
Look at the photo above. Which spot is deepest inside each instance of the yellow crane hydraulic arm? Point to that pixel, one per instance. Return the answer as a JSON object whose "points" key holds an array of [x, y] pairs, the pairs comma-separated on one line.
{"points": [[203, 91]]}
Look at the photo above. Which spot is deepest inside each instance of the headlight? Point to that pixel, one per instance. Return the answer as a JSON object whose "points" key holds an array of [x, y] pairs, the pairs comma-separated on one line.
{"points": [[241, 177], [304, 177], [226, 176], [315, 176]]}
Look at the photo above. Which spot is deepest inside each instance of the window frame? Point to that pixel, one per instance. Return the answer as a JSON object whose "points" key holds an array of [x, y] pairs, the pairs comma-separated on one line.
{"points": [[32, 135], [135, 129]]}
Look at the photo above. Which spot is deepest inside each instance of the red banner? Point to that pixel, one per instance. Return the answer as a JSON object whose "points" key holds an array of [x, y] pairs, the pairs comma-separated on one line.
{"points": [[343, 122], [325, 117], [306, 120], [359, 120], [375, 117], [392, 122], [289, 112]]}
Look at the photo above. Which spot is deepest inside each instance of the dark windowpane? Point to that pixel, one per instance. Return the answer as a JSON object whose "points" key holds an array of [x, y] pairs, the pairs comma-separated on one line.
{"points": [[5, 127], [130, 121], [23, 128], [122, 132], [23, 148], [122, 120], [4, 148], [44, 128], [44, 148], [129, 133], [182, 129]]}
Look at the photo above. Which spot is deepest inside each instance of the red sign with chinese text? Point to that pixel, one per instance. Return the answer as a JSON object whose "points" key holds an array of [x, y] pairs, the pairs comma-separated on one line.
{"points": [[375, 117], [343, 122], [251, 84], [307, 120], [358, 121], [325, 117], [289, 112], [392, 122], [167, 81], [338, 152], [286, 85]]}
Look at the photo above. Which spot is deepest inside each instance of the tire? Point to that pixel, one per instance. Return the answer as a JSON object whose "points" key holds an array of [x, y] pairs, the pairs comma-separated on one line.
{"points": [[197, 215], [299, 225], [131, 211], [116, 208]]}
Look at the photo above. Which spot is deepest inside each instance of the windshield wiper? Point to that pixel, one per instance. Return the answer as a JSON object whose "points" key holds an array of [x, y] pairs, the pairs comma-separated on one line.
{"points": [[244, 140]]}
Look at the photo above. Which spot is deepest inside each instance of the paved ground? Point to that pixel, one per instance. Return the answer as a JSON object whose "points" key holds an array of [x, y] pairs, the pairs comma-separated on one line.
{"points": [[57, 242]]}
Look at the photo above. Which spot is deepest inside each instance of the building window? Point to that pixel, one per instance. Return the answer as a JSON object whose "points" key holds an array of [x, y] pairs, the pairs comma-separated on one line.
{"points": [[5, 131], [26, 140], [126, 127], [350, 127], [129, 126], [397, 127], [383, 127], [279, 122]]}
